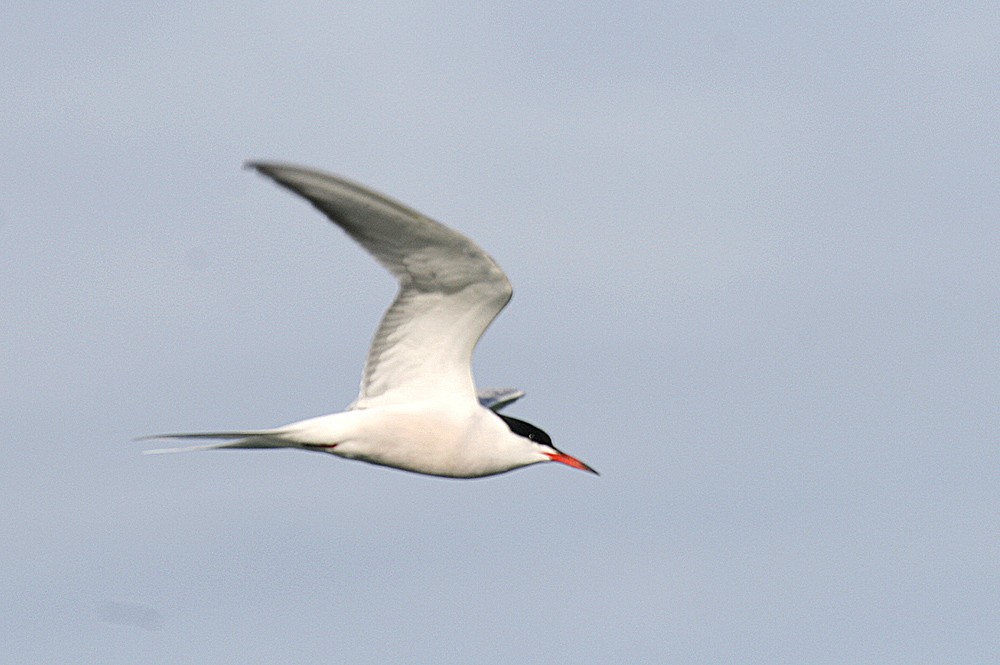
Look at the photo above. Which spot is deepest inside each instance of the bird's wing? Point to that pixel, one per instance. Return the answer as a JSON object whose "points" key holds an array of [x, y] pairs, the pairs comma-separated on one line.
{"points": [[497, 398], [449, 289]]}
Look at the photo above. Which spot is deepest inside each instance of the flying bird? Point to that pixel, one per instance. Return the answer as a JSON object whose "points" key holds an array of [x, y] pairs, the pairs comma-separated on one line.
{"points": [[418, 408]]}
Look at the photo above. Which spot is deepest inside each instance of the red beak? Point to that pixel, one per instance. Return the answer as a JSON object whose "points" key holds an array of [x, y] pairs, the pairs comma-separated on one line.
{"points": [[570, 461]]}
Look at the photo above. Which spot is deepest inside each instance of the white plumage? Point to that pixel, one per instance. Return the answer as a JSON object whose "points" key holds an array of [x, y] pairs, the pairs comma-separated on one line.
{"points": [[417, 408]]}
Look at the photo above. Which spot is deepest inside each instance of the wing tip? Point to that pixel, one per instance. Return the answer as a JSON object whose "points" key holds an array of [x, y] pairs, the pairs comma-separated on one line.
{"points": [[497, 398], [263, 166]]}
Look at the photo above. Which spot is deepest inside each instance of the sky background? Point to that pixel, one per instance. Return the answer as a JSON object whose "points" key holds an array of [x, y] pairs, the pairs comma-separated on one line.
{"points": [[756, 261]]}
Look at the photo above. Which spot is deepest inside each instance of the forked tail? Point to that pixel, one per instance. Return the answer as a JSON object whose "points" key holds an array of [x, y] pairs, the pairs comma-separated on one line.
{"points": [[245, 439]]}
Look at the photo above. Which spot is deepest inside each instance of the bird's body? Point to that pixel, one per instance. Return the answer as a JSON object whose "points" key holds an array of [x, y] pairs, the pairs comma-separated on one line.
{"points": [[418, 408]]}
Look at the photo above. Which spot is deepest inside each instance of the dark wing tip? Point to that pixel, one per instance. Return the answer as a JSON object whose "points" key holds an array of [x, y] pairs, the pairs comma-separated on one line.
{"points": [[264, 167]]}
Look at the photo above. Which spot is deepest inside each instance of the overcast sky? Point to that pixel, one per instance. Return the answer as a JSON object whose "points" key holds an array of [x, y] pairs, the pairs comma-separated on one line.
{"points": [[756, 261]]}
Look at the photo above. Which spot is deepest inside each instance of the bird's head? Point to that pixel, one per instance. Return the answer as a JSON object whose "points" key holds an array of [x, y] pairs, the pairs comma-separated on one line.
{"points": [[542, 445]]}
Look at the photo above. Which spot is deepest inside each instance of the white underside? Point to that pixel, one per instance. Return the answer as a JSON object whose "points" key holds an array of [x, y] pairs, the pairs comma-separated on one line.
{"points": [[425, 437]]}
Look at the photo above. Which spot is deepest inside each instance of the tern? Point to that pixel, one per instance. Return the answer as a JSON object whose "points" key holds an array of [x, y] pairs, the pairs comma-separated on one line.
{"points": [[418, 408]]}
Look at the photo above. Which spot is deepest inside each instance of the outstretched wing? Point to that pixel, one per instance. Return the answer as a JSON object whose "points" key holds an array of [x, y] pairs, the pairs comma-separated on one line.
{"points": [[449, 289]]}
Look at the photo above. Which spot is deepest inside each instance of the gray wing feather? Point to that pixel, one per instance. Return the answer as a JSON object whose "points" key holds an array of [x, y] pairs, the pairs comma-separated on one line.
{"points": [[498, 398], [450, 289]]}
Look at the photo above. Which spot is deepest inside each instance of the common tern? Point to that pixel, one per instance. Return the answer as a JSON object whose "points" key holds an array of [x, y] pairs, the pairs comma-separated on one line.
{"points": [[418, 408]]}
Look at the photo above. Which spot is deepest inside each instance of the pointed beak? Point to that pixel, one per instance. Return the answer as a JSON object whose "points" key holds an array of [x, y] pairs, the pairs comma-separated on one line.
{"points": [[570, 461]]}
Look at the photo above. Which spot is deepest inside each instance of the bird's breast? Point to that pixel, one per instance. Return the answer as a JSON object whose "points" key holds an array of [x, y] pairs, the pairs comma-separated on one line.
{"points": [[426, 440]]}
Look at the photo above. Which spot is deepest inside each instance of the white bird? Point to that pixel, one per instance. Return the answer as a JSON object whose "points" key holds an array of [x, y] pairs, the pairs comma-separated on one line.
{"points": [[418, 409]]}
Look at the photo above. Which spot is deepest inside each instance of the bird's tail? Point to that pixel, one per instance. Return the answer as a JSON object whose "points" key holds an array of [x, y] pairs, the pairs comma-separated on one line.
{"points": [[244, 439]]}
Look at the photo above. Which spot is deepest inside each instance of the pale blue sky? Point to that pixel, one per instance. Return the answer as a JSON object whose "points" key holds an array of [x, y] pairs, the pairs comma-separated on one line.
{"points": [[756, 260]]}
